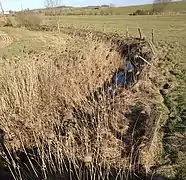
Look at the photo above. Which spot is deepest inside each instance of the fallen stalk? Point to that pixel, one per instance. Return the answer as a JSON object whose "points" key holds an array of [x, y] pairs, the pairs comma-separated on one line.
{"points": [[144, 60]]}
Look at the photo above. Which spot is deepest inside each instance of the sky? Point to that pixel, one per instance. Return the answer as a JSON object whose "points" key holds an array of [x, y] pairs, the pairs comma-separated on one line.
{"points": [[33, 4]]}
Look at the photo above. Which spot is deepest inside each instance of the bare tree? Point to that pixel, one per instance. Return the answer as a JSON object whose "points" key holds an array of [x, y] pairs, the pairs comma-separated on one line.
{"points": [[53, 3], [159, 5], [52, 7], [1, 6]]}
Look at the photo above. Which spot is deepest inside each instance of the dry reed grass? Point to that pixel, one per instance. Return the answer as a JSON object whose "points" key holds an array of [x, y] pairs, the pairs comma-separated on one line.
{"points": [[48, 102]]}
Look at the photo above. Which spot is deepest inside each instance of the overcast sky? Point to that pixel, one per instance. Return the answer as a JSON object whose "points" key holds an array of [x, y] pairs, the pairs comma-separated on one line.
{"points": [[32, 4]]}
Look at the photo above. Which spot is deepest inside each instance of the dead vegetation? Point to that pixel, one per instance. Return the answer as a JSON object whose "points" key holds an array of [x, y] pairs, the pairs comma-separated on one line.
{"points": [[28, 20], [25, 19], [58, 114]]}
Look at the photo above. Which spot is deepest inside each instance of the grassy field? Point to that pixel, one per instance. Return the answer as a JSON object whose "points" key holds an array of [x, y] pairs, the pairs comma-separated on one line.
{"points": [[48, 84], [164, 26]]}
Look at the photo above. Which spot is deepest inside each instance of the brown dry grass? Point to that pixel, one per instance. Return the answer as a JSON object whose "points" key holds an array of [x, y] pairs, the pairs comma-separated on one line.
{"points": [[48, 101], [29, 20]]}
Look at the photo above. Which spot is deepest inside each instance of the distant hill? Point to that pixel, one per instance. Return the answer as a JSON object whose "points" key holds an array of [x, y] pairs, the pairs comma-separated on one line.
{"points": [[63, 7], [178, 6]]}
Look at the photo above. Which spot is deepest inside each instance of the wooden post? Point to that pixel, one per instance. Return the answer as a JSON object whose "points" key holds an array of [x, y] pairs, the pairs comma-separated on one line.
{"points": [[153, 35], [139, 30], [127, 32]]}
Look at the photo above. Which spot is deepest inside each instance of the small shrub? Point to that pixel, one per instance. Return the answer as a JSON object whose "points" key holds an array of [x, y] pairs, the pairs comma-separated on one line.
{"points": [[141, 12], [8, 22], [101, 12], [29, 20]]}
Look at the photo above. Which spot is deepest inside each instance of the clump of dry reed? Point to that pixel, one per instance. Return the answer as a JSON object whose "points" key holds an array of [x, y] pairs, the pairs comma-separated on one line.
{"points": [[49, 103]]}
